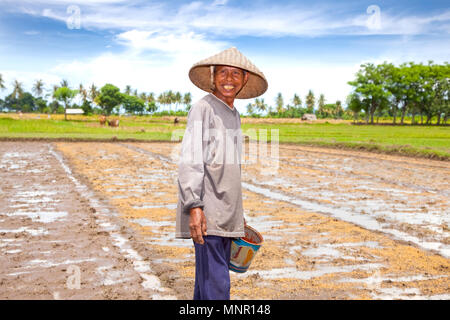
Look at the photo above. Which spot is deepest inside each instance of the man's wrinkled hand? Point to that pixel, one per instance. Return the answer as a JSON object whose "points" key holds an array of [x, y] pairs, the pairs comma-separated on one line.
{"points": [[197, 225]]}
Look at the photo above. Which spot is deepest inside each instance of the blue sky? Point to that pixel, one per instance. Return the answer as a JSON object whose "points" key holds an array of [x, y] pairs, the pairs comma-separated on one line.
{"points": [[151, 45]]}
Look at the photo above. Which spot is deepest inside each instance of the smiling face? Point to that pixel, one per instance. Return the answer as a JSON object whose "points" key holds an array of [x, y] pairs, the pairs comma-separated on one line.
{"points": [[228, 81]]}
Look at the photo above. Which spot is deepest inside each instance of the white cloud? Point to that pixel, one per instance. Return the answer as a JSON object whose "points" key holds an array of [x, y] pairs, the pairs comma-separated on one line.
{"points": [[398, 24], [27, 78], [217, 18], [66, 2], [298, 77], [152, 75], [169, 42], [220, 2], [162, 42], [140, 72]]}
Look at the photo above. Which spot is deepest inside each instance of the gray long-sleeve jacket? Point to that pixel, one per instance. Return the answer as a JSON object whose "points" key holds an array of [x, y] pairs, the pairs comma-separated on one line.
{"points": [[209, 172]]}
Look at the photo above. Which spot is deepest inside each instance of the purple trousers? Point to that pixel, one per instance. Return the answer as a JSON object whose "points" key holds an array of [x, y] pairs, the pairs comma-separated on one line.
{"points": [[212, 276]]}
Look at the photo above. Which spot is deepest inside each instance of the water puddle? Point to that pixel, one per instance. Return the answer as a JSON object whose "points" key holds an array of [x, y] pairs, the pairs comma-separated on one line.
{"points": [[33, 194], [378, 290], [154, 224], [13, 251], [15, 160], [321, 252], [294, 273], [128, 190], [167, 239], [121, 197], [141, 266], [405, 294], [152, 206], [33, 232], [263, 223], [327, 251], [49, 264], [111, 277], [40, 216], [35, 201], [363, 220]]}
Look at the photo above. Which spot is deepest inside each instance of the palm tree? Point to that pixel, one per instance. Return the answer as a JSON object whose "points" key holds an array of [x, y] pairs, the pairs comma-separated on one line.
{"points": [[150, 97], [297, 101], [2, 83], [93, 92], [250, 109], [143, 96], [38, 88], [177, 99], [279, 102], [128, 90], [260, 104], [17, 89], [187, 99], [339, 109], [151, 106], [64, 83], [310, 101], [51, 106], [166, 98], [170, 99], [161, 98], [321, 106], [83, 92]]}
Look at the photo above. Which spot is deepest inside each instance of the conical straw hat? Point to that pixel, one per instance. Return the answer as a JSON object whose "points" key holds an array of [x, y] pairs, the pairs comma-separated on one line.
{"points": [[200, 73]]}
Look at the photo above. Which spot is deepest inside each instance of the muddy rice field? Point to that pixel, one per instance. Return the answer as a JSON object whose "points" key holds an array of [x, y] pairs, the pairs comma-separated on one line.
{"points": [[82, 220]]}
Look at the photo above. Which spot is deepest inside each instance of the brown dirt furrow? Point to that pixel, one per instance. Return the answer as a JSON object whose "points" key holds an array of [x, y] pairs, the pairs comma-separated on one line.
{"points": [[306, 254]]}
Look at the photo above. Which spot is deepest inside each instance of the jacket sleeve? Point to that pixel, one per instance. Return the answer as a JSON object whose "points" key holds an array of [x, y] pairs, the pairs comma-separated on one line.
{"points": [[191, 165]]}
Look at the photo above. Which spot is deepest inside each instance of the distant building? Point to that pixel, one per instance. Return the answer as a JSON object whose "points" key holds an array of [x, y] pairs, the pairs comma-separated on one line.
{"points": [[309, 117]]}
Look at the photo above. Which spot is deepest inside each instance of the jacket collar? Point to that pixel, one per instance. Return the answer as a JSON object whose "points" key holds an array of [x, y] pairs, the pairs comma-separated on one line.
{"points": [[227, 106]]}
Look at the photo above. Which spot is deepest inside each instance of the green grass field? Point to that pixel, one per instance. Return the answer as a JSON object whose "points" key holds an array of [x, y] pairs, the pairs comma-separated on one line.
{"points": [[427, 141], [423, 141], [89, 128]]}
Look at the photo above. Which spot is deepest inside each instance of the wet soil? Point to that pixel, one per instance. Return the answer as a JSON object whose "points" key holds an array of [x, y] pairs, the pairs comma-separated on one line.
{"points": [[57, 240], [336, 224]]}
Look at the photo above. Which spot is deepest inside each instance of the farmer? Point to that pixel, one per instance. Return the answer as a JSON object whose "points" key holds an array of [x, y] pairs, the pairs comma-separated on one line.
{"points": [[209, 206]]}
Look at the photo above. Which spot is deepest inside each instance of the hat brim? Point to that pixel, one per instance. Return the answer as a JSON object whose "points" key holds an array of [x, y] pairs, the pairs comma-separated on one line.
{"points": [[256, 85]]}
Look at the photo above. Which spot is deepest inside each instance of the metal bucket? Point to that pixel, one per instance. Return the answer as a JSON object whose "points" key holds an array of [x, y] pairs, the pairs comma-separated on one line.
{"points": [[243, 250]]}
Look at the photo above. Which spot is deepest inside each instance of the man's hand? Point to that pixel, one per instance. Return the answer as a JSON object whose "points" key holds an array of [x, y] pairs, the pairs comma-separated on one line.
{"points": [[197, 225]]}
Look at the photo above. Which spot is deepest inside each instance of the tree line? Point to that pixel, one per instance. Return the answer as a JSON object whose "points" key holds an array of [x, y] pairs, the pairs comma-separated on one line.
{"points": [[382, 90], [295, 108], [105, 100], [408, 89]]}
